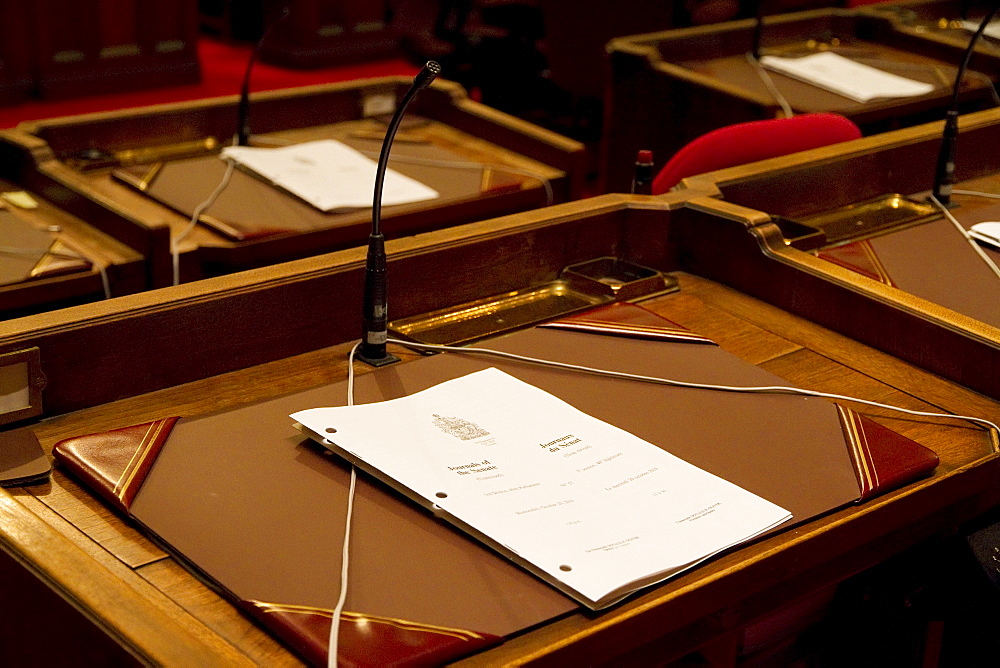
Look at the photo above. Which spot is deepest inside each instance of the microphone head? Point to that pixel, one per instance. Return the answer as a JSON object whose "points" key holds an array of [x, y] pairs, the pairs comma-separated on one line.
{"points": [[427, 74]]}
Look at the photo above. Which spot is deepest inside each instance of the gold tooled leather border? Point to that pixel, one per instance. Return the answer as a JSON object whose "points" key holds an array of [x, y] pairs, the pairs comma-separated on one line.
{"points": [[359, 618], [876, 270], [127, 482], [57, 259], [877, 263]]}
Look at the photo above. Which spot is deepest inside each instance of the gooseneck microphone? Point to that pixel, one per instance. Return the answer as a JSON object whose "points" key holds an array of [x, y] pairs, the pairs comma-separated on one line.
{"points": [[944, 176], [243, 107], [374, 311], [758, 30]]}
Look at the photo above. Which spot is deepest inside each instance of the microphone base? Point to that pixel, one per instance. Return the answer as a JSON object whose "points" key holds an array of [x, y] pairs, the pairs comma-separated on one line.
{"points": [[949, 204], [377, 361]]}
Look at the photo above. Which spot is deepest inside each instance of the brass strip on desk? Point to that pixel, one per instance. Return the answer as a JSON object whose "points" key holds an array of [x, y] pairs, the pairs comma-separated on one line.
{"points": [[143, 182]]}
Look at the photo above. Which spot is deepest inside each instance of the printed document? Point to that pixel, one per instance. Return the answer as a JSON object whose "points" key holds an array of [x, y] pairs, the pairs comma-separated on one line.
{"points": [[328, 174], [590, 508]]}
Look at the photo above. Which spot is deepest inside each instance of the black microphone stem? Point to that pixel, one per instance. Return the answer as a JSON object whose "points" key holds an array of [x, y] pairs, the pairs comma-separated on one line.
{"points": [[374, 307], [243, 107], [944, 177], [758, 31]]}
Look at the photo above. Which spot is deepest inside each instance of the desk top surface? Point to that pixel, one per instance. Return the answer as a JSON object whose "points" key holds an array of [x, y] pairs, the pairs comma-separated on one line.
{"points": [[165, 614]]}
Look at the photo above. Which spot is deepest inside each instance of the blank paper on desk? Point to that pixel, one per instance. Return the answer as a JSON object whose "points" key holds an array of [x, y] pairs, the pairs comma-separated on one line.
{"points": [[328, 174], [846, 77]]}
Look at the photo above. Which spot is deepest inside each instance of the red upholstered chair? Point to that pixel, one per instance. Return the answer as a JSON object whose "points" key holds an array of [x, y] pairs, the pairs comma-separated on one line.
{"points": [[752, 141]]}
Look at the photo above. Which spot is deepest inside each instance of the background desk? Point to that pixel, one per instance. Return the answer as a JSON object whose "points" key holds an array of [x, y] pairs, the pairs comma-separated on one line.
{"points": [[269, 331], [946, 341], [936, 20], [464, 129], [667, 88], [63, 277]]}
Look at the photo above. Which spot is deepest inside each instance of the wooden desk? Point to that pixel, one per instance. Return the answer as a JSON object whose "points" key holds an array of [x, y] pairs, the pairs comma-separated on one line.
{"points": [[275, 330], [936, 20], [834, 178], [506, 158], [668, 88], [61, 277]]}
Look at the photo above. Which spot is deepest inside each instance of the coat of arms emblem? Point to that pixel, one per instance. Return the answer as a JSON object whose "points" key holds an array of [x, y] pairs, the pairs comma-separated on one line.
{"points": [[459, 427]]}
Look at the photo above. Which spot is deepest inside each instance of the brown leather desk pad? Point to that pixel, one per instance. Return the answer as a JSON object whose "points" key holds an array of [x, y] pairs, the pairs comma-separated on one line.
{"points": [[249, 208], [257, 509], [932, 261]]}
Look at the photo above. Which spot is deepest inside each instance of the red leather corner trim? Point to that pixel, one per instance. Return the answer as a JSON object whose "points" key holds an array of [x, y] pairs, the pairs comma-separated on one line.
{"points": [[623, 319], [883, 459], [860, 258], [367, 641], [60, 260], [115, 463]]}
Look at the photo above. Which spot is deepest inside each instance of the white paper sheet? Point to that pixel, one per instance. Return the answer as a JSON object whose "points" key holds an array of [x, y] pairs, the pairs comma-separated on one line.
{"points": [[846, 77], [328, 174], [589, 507], [992, 30], [988, 233]]}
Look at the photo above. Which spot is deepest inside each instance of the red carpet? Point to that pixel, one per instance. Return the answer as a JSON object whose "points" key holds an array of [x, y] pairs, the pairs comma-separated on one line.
{"points": [[222, 66]]}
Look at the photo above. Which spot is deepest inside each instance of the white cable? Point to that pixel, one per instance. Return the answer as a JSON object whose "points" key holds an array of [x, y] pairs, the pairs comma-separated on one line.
{"points": [[976, 193], [766, 389], [333, 643], [772, 88], [200, 209], [105, 283], [972, 242]]}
